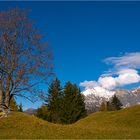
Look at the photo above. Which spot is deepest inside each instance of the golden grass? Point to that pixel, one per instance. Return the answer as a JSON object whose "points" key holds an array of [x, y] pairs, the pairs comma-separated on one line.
{"points": [[118, 124]]}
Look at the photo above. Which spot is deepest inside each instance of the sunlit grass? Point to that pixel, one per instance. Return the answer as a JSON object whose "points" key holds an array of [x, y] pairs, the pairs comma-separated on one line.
{"points": [[118, 124]]}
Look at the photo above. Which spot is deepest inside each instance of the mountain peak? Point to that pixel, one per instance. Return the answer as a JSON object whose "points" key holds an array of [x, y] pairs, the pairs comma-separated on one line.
{"points": [[99, 91], [30, 111]]}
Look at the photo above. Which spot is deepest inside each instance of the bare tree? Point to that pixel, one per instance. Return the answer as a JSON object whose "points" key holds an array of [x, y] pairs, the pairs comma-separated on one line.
{"points": [[25, 59]]}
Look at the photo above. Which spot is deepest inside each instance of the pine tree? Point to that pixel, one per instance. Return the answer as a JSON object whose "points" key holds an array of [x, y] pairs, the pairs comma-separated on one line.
{"points": [[66, 105], [109, 106], [80, 110], [116, 104], [103, 106], [54, 101], [20, 108], [13, 105], [42, 112], [73, 104]]}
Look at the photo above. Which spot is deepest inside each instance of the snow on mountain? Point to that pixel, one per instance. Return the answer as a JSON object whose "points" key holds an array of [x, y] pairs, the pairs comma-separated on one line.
{"points": [[94, 97], [136, 90], [99, 91]]}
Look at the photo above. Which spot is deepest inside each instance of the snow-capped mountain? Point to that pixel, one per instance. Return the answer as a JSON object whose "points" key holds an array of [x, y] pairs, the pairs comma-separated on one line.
{"points": [[99, 91], [94, 97], [136, 90], [129, 97]]}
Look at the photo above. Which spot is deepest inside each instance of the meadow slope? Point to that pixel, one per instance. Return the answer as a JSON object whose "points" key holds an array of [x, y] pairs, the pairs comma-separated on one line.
{"points": [[118, 124]]}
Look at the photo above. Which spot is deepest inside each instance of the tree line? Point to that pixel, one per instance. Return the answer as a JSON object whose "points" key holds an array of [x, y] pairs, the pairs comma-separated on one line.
{"points": [[63, 105], [112, 105]]}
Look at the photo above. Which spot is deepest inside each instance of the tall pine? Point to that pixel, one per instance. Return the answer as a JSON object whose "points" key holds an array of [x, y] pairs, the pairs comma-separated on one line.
{"points": [[54, 101], [73, 107], [67, 104]]}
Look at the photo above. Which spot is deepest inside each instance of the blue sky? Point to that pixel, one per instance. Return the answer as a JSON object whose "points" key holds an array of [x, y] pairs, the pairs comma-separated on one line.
{"points": [[83, 34]]}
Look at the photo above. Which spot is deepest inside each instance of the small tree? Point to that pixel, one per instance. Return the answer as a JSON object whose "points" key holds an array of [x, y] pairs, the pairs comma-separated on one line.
{"points": [[20, 108], [42, 112], [109, 106], [116, 104], [103, 106], [13, 105]]}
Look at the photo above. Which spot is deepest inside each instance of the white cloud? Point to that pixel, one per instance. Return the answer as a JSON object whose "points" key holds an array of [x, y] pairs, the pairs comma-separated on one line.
{"points": [[125, 73], [129, 60], [107, 82], [124, 77], [127, 76], [89, 84]]}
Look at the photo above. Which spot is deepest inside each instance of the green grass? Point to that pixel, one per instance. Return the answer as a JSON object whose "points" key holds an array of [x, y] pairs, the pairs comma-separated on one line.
{"points": [[118, 124]]}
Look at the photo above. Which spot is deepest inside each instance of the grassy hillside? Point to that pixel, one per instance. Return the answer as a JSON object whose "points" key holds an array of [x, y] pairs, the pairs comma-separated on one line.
{"points": [[118, 124]]}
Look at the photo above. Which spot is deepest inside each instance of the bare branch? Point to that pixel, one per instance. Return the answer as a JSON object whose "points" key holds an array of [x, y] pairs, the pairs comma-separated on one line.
{"points": [[25, 60]]}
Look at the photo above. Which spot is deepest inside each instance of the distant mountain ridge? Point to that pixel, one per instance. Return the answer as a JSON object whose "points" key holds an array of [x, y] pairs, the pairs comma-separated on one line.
{"points": [[30, 111], [127, 98]]}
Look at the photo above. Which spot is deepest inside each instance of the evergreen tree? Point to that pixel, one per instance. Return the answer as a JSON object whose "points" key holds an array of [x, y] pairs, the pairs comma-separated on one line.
{"points": [[73, 107], [109, 106], [66, 103], [80, 110], [13, 105], [20, 108], [103, 106], [42, 112], [116, 104], [54, 101]]}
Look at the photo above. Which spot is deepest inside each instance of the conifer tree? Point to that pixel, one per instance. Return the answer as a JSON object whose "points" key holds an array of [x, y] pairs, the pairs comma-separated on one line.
{"points": [[13, 105], [20, 108], [109, 106], [116, 104], [66, 103], [103, 106], [80, 110], [42, 112], [73, 104], [54, 101]]}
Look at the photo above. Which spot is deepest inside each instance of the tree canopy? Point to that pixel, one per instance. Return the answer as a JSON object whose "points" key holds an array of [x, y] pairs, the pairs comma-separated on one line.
{"points": [[63, 105], [25, 58]]}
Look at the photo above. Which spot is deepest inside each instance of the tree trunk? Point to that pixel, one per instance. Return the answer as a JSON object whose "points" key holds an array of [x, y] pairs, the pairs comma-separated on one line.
{"points": [[7, 97], [7, 93], [1, 96]]}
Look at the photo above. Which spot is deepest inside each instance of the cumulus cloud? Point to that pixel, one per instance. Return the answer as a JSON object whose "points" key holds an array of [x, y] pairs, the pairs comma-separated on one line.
{"points": [[89, 84], [124, 77], [127, 76], [107, 82], [125, 71]]}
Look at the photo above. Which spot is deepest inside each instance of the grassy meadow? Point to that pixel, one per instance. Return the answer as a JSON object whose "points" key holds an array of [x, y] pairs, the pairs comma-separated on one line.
{"points": [[116, 124]]}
